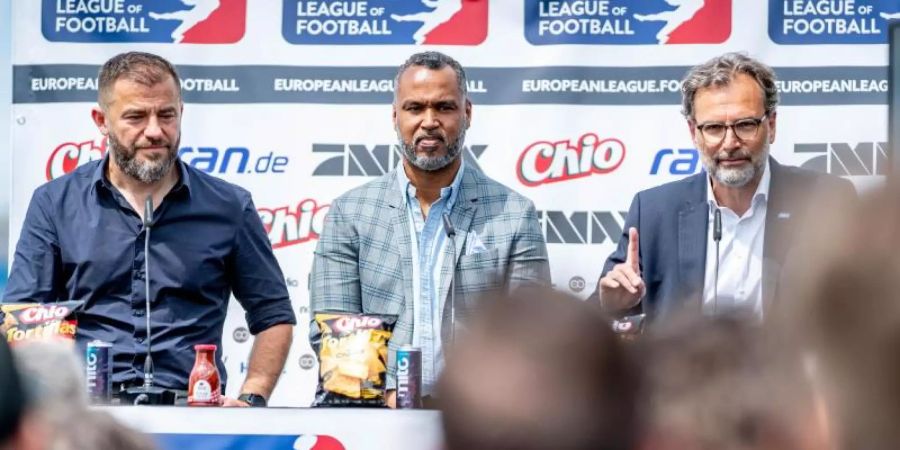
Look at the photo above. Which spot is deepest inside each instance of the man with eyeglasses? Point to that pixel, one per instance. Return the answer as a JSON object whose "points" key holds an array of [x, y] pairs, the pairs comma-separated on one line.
{"points": [[671, 256]]}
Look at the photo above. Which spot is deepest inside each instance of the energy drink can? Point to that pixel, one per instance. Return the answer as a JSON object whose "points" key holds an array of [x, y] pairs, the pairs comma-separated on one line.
{"points": [[98, 371], [409, 377]]}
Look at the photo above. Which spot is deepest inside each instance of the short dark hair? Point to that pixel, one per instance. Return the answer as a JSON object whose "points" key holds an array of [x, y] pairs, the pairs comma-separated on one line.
{"points": [[538, 369], [144, 68], [434, 61]]}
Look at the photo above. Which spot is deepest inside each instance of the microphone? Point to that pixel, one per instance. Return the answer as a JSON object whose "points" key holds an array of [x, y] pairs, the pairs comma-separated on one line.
{"points": [[148, 225], [451, 233], [148, 394], [717, 237]]}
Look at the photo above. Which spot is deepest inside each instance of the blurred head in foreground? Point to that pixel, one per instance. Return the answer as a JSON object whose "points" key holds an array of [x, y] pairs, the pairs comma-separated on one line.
{"points": [[845, 311], [97, 430], [54, 377], [19, 427], [538, 370], [719, 384]]}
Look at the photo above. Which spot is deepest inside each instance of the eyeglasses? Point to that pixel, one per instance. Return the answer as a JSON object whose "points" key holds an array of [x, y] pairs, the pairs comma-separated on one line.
{"points": [[744, 129]]}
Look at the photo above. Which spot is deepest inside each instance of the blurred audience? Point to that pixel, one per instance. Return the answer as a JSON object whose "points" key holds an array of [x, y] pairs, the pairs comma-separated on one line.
{"points": [[538, 370], [97, 430], [20, 428], [718, 383], [845, 313], [52, 377]]}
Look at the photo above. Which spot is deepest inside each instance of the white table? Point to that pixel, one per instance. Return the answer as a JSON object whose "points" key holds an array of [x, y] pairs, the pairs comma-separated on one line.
{"points": [[185, 428]]}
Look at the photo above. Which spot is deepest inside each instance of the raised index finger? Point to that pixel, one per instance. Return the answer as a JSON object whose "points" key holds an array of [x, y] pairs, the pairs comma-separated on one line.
{"points": [[633, 258]]}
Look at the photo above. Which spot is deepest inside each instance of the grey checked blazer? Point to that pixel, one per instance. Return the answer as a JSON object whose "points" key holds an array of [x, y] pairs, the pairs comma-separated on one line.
{"points": [[363, 261]]}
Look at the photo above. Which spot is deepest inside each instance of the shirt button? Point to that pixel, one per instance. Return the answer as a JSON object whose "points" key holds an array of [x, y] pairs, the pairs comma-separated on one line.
{"points": [[138, 312]]}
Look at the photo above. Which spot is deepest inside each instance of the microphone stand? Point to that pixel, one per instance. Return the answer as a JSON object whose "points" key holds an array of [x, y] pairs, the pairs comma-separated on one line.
{"points": [[148, 394], [717, 237]]}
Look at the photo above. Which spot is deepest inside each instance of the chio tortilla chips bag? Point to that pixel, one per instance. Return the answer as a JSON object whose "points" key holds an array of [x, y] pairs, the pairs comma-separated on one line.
{"points": [[352, 351], [21, 322]]}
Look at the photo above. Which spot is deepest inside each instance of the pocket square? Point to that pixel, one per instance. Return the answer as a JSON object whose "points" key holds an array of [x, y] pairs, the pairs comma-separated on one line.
{"points": [[474, 244]]}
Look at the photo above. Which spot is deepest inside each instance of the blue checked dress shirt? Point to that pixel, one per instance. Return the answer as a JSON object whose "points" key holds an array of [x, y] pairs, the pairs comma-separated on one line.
{"points": [[429, 240]]}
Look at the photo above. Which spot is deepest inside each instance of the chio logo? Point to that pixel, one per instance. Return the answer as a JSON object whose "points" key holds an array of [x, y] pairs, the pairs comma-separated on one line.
{"points": [[345, 324], [43, 313], [549, 162], [241, 335], [68, 156], [293, 224]]}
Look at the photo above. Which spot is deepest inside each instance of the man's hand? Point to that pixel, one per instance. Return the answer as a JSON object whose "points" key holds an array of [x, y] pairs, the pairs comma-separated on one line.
{"points": [[622, 287], [229, 402], [390, 399], [270, 349]]}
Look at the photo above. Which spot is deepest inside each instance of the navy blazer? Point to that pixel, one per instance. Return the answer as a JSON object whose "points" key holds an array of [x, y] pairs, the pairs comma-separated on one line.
{"points": [[672, 221]]}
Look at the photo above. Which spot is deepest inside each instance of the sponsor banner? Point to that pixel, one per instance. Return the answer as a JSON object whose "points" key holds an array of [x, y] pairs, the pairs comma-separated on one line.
{"points": [[576, 106], [624, 22], [172, 21], [487, 86], [373, 22], [798, 22]]}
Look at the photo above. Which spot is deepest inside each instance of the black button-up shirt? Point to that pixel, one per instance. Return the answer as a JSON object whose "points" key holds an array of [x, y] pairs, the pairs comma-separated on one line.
{"points": [[81, 240]]}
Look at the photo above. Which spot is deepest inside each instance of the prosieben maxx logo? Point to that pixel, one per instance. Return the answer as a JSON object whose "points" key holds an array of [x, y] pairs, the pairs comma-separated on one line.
{"points": [[845, 158], [361, 160], [582, 227]]}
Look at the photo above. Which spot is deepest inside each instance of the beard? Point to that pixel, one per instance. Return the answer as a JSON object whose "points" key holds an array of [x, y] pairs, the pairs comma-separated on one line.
{"points": [[143, 170], [736, 176], [432, 163]]}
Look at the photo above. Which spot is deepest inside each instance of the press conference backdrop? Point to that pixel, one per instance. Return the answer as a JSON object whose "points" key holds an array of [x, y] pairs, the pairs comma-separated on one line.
{"points": [[576, 104]]}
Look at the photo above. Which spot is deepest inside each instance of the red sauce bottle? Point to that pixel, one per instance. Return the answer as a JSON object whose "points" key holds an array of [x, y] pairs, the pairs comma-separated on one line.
{"points": [[203, 386]]}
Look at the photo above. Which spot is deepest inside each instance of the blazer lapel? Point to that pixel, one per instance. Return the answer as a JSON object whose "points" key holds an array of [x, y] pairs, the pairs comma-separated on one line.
{"points": [[779, 219], [398, 216], [693, 219], [461, 216]]}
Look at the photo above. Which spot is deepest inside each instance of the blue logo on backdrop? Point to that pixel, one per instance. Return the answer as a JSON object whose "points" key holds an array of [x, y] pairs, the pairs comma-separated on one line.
{"points": [[624, 22], [176, 21], [831, 22], [682, 161], [356, 22], [233, 160]]}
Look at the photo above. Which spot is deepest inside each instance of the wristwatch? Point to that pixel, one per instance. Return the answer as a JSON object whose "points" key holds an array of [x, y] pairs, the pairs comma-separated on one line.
{"points": [[254, 400]]}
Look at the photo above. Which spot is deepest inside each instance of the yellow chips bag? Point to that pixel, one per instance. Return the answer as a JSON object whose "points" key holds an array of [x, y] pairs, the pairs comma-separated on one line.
{"points": [[21, 322], [352, 351]]}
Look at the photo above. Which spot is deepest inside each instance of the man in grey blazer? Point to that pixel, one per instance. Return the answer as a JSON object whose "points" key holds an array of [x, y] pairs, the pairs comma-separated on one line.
{"points": [[385, 249]]}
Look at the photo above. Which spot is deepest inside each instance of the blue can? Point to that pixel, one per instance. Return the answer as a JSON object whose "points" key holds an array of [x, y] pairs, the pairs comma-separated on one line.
{"points": [[98, 371], [409, 377]]}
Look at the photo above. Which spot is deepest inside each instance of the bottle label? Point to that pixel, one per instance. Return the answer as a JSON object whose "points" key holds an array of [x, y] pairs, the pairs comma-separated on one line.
{"points": [[202, 392]]}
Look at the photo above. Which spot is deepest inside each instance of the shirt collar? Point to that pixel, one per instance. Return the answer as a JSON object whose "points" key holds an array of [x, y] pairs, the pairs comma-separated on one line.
{"points": [[449, 192], [761, 194], [99, 177]]}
